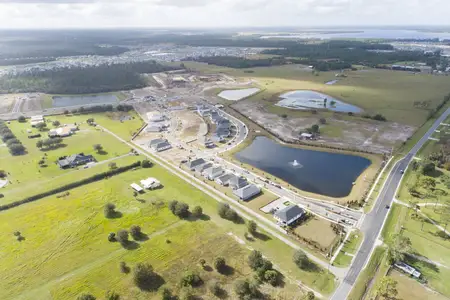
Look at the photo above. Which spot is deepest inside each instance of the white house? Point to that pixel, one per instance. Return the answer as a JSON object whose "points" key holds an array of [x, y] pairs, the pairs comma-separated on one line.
{"points": [[150, 183], [289, 214], [247, 192], [213, 172], [155, 116]]}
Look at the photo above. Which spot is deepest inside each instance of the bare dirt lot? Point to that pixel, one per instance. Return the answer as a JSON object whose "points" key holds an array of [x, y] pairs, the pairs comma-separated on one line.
{"points": [[339, 130], [7, 102]]}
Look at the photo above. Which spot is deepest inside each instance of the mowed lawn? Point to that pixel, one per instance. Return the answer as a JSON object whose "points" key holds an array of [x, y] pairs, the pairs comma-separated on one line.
{"points": [[66, 251], [410, 289], [391, 93], [24, 169]]}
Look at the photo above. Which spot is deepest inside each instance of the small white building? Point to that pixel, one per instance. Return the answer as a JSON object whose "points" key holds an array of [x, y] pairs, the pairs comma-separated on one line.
{"points": [[306, 136], [154, 127], [150, 183], [136, 187], [155, 116], [35, 120], [407, 269]]}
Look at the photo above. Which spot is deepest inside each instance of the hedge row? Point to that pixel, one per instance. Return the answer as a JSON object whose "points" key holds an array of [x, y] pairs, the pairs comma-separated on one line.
{"points": [[72, 185]]}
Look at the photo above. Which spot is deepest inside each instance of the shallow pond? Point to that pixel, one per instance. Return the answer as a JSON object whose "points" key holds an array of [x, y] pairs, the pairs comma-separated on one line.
{"points": [[235, 95], [324, 173], [62, 101], [305, 99]]}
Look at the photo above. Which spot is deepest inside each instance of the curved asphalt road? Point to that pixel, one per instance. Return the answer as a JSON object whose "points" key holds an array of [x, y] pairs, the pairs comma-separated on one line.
{"points": [[373, 222]]}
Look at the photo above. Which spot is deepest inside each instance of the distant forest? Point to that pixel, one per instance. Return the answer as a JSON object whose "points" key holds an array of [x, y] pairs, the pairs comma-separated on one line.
{"points": [[95, 79]]}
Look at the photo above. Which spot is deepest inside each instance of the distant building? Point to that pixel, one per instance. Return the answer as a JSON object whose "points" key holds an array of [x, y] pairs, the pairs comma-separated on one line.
{"points": [[224, 179], [289, 214], [155, 116], [160, 145], [306, 136], [247, 192], [63, 131], [136, 187], [203, 167], [237, 182], [154, 127], [74, 160], [35, 120], [195, 163]]}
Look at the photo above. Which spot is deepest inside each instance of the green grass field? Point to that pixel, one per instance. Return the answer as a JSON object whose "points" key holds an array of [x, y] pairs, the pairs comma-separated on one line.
{"points": [[66, 252], [390, 93], [410, 289], [345, 256]]}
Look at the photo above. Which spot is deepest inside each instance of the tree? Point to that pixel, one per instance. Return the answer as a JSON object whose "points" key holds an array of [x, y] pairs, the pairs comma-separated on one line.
{"points": [[98, 147], [86, 297], [109, 210], [122, 237], [251, 227], [112, 237], [399, 245], [66, 111], [255, 260], [111, 295], [172, 205], [123, 267], [222, 209], [90, 121], [56, 123], [428, 168], [387, 288], [323, 121], [136, 232], [41, 126], [112, 165], [166, 294], [2, 173], [146, 164], [181, 210], [202, 263], [197, 211], [231, 215], [301, 260], [245, 289], [309, 296], [315, 128], [272, 277], [219, 264], [143, 275], [21, 119], [40, 144], [379, 117], [16, 149], [215, 288], [428, 182], [13, 141], [191, 279]]}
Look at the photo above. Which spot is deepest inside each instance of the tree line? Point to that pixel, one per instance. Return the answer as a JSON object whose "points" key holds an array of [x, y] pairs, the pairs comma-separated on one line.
{"points": [[82, 80], [9, 138]]}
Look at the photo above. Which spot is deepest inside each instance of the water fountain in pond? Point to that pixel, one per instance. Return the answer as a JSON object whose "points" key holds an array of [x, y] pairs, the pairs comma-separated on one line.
{"points": [[296, 164]]}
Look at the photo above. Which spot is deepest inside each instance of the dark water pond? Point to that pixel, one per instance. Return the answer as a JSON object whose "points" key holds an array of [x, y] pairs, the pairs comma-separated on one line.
{"points": [[324, 173], [304, 99], [62, 101]]}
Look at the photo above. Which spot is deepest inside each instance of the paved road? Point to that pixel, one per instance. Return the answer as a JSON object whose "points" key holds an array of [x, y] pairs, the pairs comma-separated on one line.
{"points": [[374, 221]]}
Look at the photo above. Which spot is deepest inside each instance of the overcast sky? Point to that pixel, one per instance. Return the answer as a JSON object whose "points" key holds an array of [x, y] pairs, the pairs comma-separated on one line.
{"points": [[219, 13]]}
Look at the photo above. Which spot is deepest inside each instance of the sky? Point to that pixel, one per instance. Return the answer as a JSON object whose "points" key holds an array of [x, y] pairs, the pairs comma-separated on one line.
{"points": [[219, 13]]}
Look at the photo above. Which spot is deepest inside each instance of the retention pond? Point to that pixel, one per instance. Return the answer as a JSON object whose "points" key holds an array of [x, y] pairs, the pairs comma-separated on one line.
{"points": [[63, 101], [324, 173]]}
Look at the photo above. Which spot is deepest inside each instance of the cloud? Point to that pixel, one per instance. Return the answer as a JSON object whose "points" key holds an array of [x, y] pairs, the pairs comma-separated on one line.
{"points": [[218, 13]]}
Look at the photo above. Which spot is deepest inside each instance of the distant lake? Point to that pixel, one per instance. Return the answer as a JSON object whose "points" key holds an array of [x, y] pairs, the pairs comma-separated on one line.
{"points": [[62, 101], [304, 99], [324, 173], [364, 33], [235, 95]]}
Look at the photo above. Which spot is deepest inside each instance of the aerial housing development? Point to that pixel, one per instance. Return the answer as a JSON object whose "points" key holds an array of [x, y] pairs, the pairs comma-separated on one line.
{"points": [[281, 163]]}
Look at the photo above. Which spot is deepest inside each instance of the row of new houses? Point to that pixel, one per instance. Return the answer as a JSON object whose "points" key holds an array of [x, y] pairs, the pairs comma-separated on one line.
{"points": [[240, 186], [223, 125], [160, 145]]}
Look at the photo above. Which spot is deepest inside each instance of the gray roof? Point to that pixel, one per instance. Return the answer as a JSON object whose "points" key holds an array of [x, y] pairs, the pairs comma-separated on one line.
{"points": [[202, 167], [247, 192], [225, 178], [75, 159], [195, 163], [156, 142], [213, 170], [237, 182], [289, 212], [164, 144]]}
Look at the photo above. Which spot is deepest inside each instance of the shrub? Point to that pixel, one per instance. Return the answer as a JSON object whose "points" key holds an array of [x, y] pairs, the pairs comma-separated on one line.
{"points": [[56, 123], [143, 276], [109, 210], [255, 260], [215, 288], [112, 165], [191, 279], [122, 236], [98, 147], [272, 277], [301, 260], [166, 294], [111, 295], [202, 262], [379, 117], [251, 227], [219, 264], [123, 267], [197, 211], [86, 297], [136, 232], [112, 237], [16, 233], [310, 296], [323, 121], [146, 164]]}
